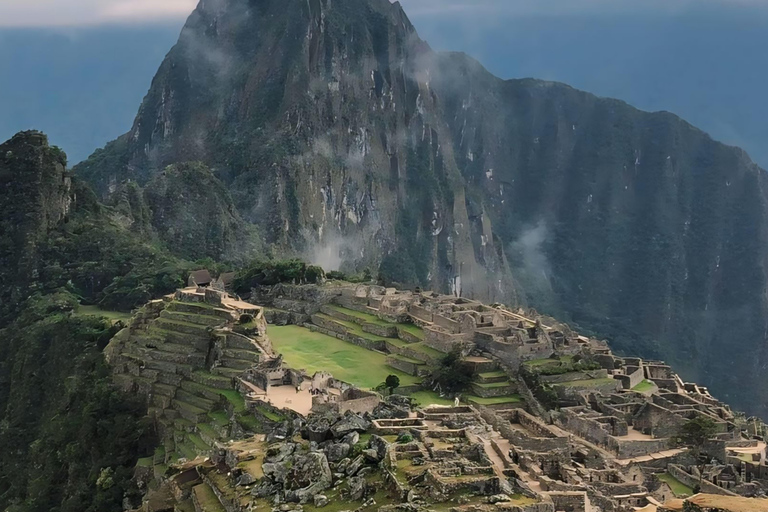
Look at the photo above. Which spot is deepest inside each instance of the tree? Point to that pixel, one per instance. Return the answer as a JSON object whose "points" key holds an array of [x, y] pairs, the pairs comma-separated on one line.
{"points": [[451, 374], [693, 434], [392, 383]]}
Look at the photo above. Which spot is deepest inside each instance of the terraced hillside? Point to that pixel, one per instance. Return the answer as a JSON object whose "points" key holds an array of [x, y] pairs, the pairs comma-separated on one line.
{"points": [[401, 344], [186, 358]]}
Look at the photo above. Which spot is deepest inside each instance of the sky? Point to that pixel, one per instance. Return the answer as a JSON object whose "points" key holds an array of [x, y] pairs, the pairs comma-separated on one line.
{"points": [[81, 67], [46, 13]]}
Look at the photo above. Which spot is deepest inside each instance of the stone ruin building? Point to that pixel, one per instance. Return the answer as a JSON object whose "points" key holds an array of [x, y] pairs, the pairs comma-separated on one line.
{"points": [[555, 421]]}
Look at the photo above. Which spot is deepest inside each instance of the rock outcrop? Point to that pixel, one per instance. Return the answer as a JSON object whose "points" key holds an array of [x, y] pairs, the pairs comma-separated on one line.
{"points": [[36, 194]]}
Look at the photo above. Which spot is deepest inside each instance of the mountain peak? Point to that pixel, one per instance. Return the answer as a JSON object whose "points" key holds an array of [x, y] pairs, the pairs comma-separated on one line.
{"points": [[338, 132]]}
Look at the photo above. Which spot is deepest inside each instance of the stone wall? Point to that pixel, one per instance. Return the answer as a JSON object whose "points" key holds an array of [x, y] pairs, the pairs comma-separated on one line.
{"points": [[404, 366], [446, 323], [407, 352], [627, 449], [405, 335], [691, 481], [571, 376], [570, 501], [351, 338], [542, 439], [420, 313], [380, 330], [359, 402], [630, 380], [657, 421], [442, 341]]}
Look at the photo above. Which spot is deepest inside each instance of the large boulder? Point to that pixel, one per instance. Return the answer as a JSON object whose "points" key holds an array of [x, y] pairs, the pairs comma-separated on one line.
{"points": [[350, 423], [355, 466], [351, 439], [279, 452], [337, 451], [310, 475], [379, 445], [318, 430], [357, 488]]}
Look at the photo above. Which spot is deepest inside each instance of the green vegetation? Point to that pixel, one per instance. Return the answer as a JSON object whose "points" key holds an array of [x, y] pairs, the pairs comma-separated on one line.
{"points": [[235, 399], [678, 488], [418, 347], [644, 387], [110, 315], [392, 383], [492, 375], [424, 398], [565, 364], [315, 352], [451, 375], [269, 273], [511, 399], [270, 415], [207, 499], [145, 462], [548, 361], [694, 434]]}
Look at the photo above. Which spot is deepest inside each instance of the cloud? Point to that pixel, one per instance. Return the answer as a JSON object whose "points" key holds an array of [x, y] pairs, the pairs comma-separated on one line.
{"points": [[42, 13], [506, 8], [35, 13]]}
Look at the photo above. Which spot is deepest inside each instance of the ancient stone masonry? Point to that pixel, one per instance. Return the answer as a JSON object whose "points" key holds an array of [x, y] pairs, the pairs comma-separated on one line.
{"points": [[588, 432]]}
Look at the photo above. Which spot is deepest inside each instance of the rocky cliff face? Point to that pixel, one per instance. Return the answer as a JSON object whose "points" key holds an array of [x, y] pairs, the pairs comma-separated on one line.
{"points": [[36, 195], [345, 138]]}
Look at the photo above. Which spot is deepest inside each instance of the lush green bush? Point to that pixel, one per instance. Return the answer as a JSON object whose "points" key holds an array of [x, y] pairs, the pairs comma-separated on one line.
{"points": [[451, 375], [270, 273]]}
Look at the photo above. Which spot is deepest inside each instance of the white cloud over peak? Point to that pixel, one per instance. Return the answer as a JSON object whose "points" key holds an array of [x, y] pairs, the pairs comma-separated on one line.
{"points": [[32, 13], [36, 13]]}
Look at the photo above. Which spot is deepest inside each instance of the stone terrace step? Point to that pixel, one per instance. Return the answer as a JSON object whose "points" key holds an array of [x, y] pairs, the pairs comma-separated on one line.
{"points": [[230, 373], [236, 364], [199, 341], [201, 390], [177, 348], [172, 379], [197, 401], [491, 377], [190, 412], [414, 350], [493, 389], [181, 327], [195, 359], [200, 309], [208, 321], [236, 353], [497, 403], [163, 389], [214, 381], [240, 342]]}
